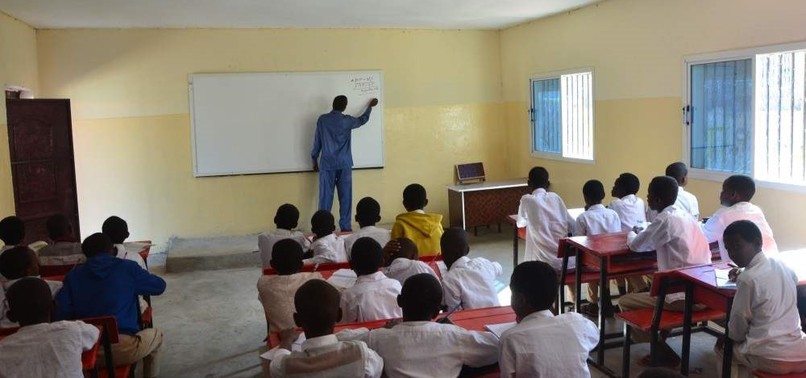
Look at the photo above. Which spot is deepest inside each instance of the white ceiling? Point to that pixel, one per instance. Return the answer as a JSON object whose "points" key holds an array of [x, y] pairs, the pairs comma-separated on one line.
{"points": [[429, 14]]}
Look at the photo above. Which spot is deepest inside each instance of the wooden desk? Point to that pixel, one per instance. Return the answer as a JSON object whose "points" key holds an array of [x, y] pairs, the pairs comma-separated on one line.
{"points": [[609, 254], [485, 203]]}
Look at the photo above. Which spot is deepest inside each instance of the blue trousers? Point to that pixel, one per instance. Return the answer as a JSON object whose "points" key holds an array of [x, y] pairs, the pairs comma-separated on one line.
{"points": [[341, 180]]}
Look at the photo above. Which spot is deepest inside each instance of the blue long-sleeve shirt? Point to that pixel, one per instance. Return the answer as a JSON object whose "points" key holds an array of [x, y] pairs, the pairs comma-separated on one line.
{"points": [[106, 285], [333, 139]]}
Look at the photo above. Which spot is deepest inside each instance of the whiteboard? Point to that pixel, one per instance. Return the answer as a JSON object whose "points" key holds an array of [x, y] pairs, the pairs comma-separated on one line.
{"points": [[249, 123]]}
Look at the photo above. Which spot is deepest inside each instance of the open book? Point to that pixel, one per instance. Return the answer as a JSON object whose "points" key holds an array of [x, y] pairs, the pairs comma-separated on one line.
{"points": [[498, 329]]}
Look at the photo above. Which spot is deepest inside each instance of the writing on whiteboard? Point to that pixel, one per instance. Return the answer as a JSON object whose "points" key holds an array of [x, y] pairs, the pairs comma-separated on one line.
{"points": [[364, 85]]}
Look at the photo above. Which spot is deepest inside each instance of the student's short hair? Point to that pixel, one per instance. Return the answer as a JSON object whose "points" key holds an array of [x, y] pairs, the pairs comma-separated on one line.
{"points": [[29, 298], [95, 244], [593, 190], [58, 226], [537, 282], [414, 196], [12, 230], [454, 236], [539, 177], [287, 216], [116, 229], [286, 256], [743, 185], [322, 220], [629, 182], [318, 301], [422, 292], [408, 248], [340, 103], [14, 263], [368, 210], [664, 188], [659, 373], [677, 170], [366, 256], [745, 229]]}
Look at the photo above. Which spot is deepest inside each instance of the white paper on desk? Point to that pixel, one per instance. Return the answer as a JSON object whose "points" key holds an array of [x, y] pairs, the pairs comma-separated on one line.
{"points": [[136, 247], [296, 346], [722, 279], [342, 279], [498, 329]]}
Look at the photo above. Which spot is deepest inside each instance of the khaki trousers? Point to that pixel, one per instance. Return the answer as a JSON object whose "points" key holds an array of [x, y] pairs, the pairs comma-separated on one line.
{"points": [[634, 285], [743, 364], [145, 346]]}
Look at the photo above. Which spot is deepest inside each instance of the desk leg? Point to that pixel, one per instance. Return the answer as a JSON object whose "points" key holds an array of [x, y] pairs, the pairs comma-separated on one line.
{"points": [[727, 353], [577, 279], [604, 292], [563, 274], [514, 246], [687, 328]]}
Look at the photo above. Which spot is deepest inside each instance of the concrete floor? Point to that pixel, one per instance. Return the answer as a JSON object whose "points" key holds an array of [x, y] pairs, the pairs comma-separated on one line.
{"points": [[214, 324]]}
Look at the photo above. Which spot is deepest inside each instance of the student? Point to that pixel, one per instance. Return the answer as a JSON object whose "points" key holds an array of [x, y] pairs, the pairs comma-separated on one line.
{"points": [[419, 347], [685, 200], [374, 296], [65, 249], [546, 220], [322, 355], [596, 220], [401, 261], [326, 246], [286, 220], [41, 349], [12, 232], [109, 286], [367, 214], [679, 242], [118, 230], [764, 322], [468, 282], [422, 228], [737, 191], [15, 264], [630, 209], [525, 348], [276, 292]]}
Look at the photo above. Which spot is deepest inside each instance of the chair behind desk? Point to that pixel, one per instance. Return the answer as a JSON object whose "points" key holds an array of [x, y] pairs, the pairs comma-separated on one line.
{"points": [[55, 270]]}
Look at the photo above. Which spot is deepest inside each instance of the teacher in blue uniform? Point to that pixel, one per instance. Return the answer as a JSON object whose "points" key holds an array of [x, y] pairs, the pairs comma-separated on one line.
{"points": [[333, 158]]}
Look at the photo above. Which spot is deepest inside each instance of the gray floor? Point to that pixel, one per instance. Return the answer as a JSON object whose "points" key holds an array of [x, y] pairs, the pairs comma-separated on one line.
{"points": [[214, 325]]}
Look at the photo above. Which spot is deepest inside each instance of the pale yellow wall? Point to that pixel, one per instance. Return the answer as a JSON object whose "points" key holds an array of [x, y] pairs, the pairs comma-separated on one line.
{"points": [[132, 128], [636, 49], [18, 66]]}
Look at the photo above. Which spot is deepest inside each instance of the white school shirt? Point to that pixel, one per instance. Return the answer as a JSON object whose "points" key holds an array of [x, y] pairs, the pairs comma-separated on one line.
{"points": [[61, 253], [122, 253], [402, 268], [764, 319], [427, 349], [266, 240], [597, 220], [687, 202], [276, 294], [47, 350], [722, 218], [326, 356], [547, 221], [327, 249], [544, 345], [677, 238], [631, 211], [471, 283], [380, 235], [373, 297], [55, 286]]}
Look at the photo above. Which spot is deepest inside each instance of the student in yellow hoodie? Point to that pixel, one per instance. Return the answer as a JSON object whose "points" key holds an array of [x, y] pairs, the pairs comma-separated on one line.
{"points": [[425, 230]]}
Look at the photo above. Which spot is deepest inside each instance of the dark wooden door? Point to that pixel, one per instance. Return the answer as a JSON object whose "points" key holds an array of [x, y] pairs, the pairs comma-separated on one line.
{"points": [[40, 138]]}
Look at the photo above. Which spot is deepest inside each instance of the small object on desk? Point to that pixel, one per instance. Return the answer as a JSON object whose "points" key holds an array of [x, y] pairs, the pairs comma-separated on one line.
{"points": [[470, 172], [723, 279], [342, 279], [499, 329], [295, 347]]}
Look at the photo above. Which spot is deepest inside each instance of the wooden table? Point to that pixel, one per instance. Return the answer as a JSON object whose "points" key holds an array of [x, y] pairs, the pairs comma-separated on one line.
{"points": [[484, 203], [609, 254]]}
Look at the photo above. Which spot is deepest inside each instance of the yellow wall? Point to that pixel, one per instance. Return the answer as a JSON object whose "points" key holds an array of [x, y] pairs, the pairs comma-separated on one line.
{"points": [[18, 66], [132, 128], [636, 49]]}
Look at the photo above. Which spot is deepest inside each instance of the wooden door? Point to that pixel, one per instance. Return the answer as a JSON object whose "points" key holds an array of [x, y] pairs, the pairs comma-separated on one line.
{"points": [[40, 140]]}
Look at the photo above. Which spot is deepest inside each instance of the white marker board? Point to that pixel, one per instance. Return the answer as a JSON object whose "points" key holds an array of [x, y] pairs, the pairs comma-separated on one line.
{"points": [[249, 123]]}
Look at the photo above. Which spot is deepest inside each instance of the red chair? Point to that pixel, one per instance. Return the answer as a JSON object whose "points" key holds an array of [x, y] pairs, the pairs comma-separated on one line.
{"points": [[313, 268], [109, 336], [761, 374], [55, 270], [654, 320]]}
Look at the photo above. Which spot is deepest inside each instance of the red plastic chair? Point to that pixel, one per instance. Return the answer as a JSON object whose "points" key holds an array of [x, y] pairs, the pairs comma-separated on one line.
{"points": [[55, 270], [109, 336]]}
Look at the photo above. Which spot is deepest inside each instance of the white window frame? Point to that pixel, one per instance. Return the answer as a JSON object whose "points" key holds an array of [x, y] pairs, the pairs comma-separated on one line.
{"points": [[748, 53], [556, 75]]}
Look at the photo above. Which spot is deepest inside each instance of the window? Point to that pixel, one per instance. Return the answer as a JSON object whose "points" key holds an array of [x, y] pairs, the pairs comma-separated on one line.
{"points": [[562, 116], [746, 114]]}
